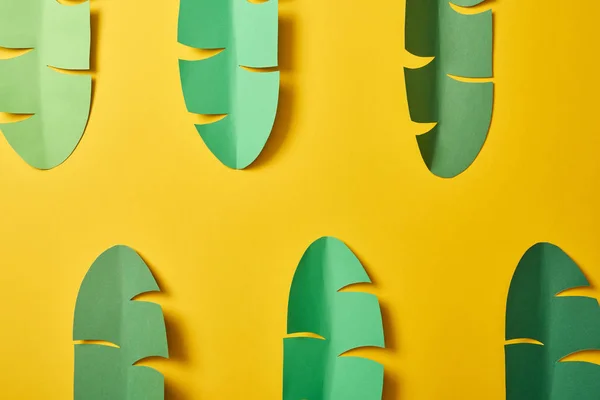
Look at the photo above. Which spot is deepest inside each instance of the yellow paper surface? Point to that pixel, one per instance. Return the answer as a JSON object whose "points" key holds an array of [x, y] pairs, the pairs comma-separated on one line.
{"points": [[342, 161]]}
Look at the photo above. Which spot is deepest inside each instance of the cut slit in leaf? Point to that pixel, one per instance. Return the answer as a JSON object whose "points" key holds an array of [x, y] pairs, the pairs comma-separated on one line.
{"points": [[60, 103], [564, 325], [313, 368], [104, 311], [461, 45], [220, 85], [9, 118]]}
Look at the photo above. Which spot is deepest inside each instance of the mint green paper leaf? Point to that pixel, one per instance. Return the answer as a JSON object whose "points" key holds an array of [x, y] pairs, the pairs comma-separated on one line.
{"points": [[314, 368], [563, 325], [220, 85], [461, 46], [60, 103], [106, 312]]}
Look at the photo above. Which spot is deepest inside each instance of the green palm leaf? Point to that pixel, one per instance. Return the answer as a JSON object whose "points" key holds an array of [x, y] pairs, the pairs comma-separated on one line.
{"points": [[105, 312], [461, 46], [60, 37], [313, 368], [562, 325], [220, 85]]}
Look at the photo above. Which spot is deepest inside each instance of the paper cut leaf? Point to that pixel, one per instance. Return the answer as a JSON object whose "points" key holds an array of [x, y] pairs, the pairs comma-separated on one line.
{"points": [[314, 368], [106, 312], [220, 85], [562, 324], [60, 103], [461, 46]]}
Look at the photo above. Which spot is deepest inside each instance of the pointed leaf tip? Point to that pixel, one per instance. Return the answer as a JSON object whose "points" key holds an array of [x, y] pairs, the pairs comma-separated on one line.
{"points": [[547, 264], [342, 266], [115, 277]]}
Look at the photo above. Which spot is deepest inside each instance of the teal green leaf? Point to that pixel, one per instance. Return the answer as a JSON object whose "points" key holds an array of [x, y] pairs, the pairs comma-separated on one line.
{"points": [[59, 37], [247, 33], [315, 368], [562, 324], [106, 312], [461, 46]]}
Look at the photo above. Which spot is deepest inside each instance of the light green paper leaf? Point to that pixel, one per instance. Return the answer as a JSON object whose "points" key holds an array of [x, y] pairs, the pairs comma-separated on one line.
{"points": [[313, 368], [104, 311], [60, 37], [219, 85], [564, 325], [461, 46]]}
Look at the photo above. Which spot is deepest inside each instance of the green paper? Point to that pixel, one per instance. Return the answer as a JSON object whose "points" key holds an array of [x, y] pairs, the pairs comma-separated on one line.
{"points": [[219, 85], [576, 380], [461, 46], [564, 325], [104, 311], [60, 37], [313, 368]]}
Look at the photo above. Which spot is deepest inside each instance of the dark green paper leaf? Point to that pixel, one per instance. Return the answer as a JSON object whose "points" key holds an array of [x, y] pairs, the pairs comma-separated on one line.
{"points": [[576, 381], [563, 325], [461, 46]]}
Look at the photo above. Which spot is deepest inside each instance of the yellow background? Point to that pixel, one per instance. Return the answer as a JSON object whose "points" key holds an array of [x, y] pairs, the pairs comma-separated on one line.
{"points": [[342, 161]]}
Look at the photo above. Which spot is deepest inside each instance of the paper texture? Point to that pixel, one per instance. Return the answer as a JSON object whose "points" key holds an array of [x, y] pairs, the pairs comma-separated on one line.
{"points": [[60, 103], [562, 324], [220, 85], [313, 368], [461, 46], [104, 311]]}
